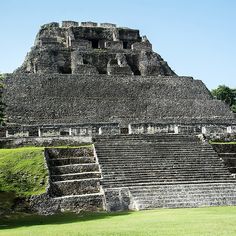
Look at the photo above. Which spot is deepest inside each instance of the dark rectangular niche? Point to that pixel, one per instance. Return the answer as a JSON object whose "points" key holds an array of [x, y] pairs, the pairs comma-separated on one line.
{"points": [[125, 45], [94, 43]]}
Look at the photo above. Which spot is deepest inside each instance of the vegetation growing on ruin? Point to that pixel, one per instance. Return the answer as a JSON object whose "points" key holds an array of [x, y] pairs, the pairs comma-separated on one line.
{"points": [[220, 142], [210, 221], [22, 171], [226, 94]]}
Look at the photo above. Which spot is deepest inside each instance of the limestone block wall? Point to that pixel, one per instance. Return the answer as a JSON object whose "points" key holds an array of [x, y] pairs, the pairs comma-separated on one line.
{"points": [[66, 99]]}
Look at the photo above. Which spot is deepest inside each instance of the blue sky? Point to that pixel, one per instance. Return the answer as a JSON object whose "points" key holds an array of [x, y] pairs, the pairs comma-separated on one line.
{"points": [[196, 37]]}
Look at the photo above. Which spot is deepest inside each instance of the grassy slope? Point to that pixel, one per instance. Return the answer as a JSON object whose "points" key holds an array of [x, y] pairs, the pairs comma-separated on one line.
{"points": [[22, 170], [215, 221]]}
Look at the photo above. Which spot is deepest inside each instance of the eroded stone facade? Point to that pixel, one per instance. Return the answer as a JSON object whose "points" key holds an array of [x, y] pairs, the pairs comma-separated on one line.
{"points": [[89, 48]]}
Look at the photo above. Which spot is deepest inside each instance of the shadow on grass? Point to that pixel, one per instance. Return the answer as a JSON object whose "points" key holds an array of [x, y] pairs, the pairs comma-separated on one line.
{"points": [[16, 221]]}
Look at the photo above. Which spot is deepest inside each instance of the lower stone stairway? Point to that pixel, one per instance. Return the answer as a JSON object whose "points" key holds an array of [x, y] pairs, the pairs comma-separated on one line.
{"points": [[74, 178], [162, 170]]}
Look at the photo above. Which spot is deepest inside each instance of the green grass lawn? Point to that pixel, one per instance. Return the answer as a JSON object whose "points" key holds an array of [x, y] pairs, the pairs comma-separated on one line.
{"points": [[22, 171], [215, 221]]}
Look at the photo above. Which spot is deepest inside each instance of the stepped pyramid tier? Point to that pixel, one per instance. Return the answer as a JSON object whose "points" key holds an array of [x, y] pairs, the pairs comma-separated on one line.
{"points": [[87, 78]]}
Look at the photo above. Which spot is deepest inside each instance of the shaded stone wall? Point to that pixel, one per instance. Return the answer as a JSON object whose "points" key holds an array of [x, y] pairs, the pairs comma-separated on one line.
{"points": [[48, 99], [228, 153]]}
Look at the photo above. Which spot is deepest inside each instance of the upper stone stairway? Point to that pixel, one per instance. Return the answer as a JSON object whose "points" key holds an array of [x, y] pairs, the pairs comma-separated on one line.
{"points": [[164, 170]]}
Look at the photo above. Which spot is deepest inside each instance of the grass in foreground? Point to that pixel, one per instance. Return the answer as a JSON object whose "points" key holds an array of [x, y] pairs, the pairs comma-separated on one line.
{"points": [[215, 221]]}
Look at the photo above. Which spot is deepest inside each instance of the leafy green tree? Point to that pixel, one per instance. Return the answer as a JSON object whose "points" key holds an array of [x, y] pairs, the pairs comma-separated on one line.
{"points": [[226, 94], [2, 105]]}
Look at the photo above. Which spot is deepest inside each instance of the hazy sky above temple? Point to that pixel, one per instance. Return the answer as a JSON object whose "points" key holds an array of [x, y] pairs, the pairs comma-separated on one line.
{"points": [[197, 38]]}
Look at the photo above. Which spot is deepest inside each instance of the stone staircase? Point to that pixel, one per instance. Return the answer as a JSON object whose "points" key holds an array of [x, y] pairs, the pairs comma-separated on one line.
{"points": [[164, 170], [74, 178]]}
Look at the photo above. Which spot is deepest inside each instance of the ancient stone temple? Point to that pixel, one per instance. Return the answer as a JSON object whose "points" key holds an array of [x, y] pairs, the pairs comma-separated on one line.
{"points": [[100, 76], [103, 84]]}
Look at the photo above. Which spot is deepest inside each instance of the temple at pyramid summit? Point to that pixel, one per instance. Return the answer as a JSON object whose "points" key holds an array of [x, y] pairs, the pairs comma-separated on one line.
{"points": [[149, 127]]}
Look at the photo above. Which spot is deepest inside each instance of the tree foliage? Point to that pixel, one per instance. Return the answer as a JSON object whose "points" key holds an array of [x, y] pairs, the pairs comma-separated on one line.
{"points": [[226, 94]]}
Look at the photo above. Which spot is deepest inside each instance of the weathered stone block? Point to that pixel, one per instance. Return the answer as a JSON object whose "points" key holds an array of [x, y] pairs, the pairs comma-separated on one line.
{"points": [[67, 24]]}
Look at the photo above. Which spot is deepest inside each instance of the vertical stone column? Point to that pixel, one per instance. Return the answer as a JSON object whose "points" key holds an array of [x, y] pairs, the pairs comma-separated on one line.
{"points": [[100, 130], [176, 129], [203, 130], [229, 129], [39, 132], [70, 131], [129, 129]]}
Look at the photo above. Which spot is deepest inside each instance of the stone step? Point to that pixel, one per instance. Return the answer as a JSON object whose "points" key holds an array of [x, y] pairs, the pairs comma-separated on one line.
{"points": [[153, 144], [154, 147], [162, 166], [74, 176], [156, 167], [173, 177], [99, 194], [71, 160], [74, 187], [162, 161], [141, 152], [190, 203], [160, 179], [198, 197], [69, 152], [153, 194], [193, 183], [76, 168], [153, 154], [132, 183], [156, 155], [184, 195], [158, 174], [162, 171]]}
